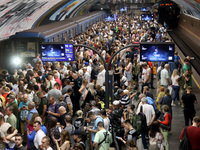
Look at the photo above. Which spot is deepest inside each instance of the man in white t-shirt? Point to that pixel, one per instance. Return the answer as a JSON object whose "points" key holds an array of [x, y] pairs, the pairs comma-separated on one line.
{"points": [[146, 76], [46, 143], [86, 74], [164, 76], [39, 135]]}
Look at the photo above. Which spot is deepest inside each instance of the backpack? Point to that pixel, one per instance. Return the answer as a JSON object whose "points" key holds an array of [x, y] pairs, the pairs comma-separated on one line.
{"points": [[137, 124], [185, 143], [143, 119], [23, 113]]}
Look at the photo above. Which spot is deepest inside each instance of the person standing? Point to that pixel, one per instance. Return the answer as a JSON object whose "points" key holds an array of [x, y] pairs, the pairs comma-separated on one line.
{"points": [[193, 133], [146, 76], [11, 102], [164, 76], [12, 120], [175, 77], [189, 99], [129, 73], [103, 138], [55, 92], [41, 108], [115, 121], [39, 135], [166, 124], [3, 128], [46, 143], [18, 142]]}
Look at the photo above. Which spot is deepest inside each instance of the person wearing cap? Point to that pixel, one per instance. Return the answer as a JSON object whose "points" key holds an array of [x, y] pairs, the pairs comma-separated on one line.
{"points": [[11, 102], [78, 138], [115, 121], [86, 74], [189, 99], [124, 99]]}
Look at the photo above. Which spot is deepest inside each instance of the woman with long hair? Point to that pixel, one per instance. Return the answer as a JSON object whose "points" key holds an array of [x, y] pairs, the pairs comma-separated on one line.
{"points": [[65, 141], [156, 139], [160, 95], [175, 77], [54, 132]]}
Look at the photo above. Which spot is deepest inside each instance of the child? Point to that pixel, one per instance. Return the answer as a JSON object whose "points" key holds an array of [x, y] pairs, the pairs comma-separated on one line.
{"points": [[61, 102]]}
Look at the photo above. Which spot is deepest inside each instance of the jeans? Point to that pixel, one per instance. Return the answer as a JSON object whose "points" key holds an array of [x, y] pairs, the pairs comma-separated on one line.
{"points": [[176, 93], [144, 140]]}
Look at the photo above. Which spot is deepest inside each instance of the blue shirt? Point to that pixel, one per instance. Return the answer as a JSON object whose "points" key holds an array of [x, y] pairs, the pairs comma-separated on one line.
{"points": [[151, 102], [32, 135], [98, 119]]}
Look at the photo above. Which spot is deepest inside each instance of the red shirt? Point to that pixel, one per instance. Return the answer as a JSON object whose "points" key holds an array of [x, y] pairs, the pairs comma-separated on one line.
{"points": [[193, 134], [5, 96], [150, 66], [167, 118], [107, 60]]}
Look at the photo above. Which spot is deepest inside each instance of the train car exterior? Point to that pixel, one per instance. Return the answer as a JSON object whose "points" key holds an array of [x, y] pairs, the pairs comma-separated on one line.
{"points": [[25, 44]]}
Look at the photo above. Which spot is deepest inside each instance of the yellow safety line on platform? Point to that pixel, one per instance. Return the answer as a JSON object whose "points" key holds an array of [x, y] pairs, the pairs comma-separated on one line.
{"points": [[192, 75], [189, 31]]}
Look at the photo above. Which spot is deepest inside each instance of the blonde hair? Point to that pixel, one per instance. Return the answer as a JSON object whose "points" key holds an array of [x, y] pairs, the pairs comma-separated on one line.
{"points": [[175, 73], [91, 89], [79, 113]]}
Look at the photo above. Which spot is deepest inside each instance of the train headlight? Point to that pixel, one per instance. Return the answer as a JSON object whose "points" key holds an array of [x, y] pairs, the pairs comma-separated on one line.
{"points": [[16, 61]]}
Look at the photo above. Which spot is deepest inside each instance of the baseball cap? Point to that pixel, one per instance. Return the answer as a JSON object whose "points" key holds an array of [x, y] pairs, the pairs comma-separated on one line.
{"points": [[86, 63], [11, 96], [77, 132], [116, 102]]}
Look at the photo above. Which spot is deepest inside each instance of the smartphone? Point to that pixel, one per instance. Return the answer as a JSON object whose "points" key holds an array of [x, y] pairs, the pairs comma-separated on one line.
{"points": [[117, 137]]}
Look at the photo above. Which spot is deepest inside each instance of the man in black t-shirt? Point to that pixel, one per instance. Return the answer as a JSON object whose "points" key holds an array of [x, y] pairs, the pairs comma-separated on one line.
{"points": [[189, 99], [18, 142]]}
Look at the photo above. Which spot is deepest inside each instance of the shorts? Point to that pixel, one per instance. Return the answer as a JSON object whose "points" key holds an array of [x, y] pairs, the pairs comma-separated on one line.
{"points": [[129, 76]]}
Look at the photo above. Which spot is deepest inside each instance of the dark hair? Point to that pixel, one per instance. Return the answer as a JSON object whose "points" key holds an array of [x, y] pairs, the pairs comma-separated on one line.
{"points": [[132, 106], [78, 146], [103, 112], [53, 122], [90, 114], [36, 87], [56, 84], [37, 122], [155, 127], [128, 121], [67, 81], [100, 124], [10, 130], [70, 90], [18, 134]]}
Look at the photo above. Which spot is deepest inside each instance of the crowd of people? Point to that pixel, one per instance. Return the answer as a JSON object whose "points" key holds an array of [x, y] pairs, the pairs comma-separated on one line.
{"points": [[61, 105]]}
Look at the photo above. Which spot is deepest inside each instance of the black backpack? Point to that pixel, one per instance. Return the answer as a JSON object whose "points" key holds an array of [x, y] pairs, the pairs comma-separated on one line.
{"points": [[185, 143], [143, 119]]}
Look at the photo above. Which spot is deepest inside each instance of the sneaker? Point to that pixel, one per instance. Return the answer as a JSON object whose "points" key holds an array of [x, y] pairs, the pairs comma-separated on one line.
{"points": [[179, 103], [173, 105], [182, 105]]}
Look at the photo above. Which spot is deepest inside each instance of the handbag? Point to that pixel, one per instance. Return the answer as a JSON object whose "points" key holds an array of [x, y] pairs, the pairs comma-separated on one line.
{"points": [[166, 127]]}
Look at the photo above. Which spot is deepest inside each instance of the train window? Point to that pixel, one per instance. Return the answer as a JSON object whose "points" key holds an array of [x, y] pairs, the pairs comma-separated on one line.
{"points": [[57, 38]]}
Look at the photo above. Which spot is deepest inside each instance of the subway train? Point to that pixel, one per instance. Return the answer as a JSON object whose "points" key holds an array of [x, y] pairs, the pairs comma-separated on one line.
{"points": [[168, 12], [25, 44]]}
